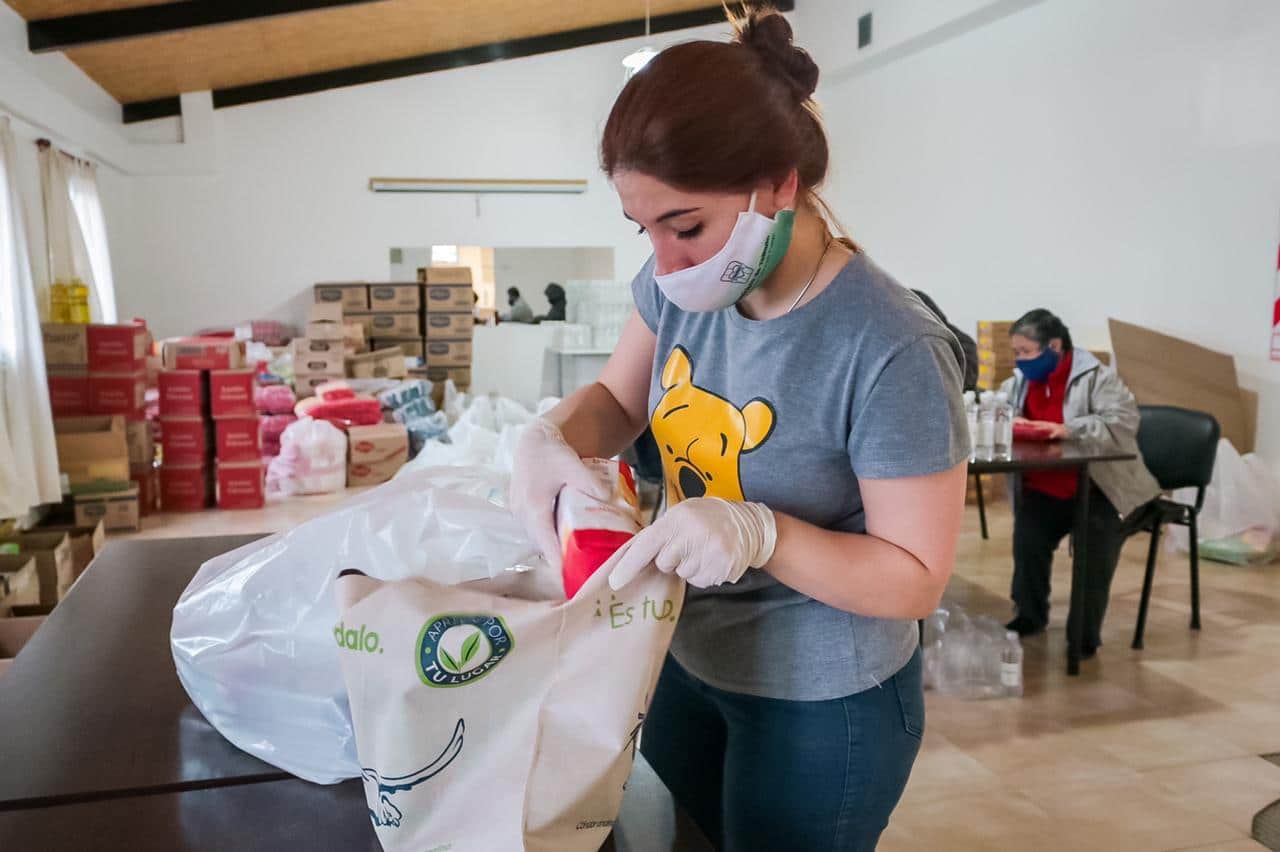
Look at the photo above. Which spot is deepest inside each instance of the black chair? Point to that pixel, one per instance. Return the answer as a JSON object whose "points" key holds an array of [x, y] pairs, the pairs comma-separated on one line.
{"points": [[1179, 447]]}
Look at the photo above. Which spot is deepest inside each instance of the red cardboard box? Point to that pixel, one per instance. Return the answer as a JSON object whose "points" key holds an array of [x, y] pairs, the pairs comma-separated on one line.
{"points": [[186, 441], [202, 353], [238, 439], [240, 485], [231, 393], [117, 348], [69, 393], [118, 393], [182, 393], [185, 488]]}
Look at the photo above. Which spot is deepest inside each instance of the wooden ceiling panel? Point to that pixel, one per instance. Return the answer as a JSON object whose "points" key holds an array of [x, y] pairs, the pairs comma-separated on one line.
{"points": [[34, 10], [275, 48]]}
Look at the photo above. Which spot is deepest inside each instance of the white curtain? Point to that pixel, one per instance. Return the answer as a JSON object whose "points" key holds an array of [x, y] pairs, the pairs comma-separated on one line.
{"points": [[28, 454], [76, 230]]}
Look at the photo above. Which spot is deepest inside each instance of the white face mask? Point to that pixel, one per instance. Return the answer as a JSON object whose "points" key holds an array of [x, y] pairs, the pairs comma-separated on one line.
{"points": [[754, 249]]}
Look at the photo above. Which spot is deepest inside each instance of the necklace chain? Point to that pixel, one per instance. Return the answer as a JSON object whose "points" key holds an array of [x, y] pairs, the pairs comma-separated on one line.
{"points": [[812, 277]]}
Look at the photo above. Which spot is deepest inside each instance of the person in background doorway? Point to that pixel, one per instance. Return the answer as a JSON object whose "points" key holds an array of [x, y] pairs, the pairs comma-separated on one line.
{"points": [[1071, 394], [520, 310], [968, 345], [555, 295]]}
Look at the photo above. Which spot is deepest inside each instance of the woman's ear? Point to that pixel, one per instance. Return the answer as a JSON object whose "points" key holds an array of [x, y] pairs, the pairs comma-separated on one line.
{"points": [[1056, 345], [781, 195]]}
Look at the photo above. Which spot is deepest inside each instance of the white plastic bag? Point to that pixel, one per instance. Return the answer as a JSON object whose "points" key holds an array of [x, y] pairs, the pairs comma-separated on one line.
{"points": [[491, 722], [484, 434], [253, 634], [1241, 513], [312, 459]]}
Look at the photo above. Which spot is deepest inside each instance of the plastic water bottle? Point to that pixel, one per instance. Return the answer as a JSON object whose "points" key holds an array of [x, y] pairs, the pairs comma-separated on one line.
{"points": [[985, 444], [1003, 426], [971, 415], [1011, 665]]}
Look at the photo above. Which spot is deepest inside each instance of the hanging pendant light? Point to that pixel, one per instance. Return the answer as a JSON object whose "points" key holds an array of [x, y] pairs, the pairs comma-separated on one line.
{"points": [[636, 60]]}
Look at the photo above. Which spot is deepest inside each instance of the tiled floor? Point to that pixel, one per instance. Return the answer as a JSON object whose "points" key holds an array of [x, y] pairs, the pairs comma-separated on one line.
{"points": [[1146, 750]]}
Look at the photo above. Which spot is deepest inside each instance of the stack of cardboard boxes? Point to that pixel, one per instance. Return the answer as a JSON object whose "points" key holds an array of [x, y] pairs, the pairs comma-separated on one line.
{"points": [[449, 302], [995, 354], [208, 427], [94, 456], [101, 370], [375, 453], [320, 356]]}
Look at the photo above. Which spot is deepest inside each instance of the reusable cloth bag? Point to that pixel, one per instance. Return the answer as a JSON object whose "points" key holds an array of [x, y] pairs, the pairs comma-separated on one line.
{"points": [[492, 716]]}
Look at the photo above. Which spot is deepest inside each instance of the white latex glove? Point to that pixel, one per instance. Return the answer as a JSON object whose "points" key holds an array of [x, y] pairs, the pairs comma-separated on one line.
{"points": [[542, 465], [706, 540]]}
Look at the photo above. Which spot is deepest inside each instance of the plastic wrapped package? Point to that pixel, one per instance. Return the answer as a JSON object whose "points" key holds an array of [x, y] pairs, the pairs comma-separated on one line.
{"points": [[253, 634], [484, 434], [312, 459], [970, 657], [1240, 520], [433, 427], [413, 410], [274, 399], [272, 426], [406, 392], [591, 530]]}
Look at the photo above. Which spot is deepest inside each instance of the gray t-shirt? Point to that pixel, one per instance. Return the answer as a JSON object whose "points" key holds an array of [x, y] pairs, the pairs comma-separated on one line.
{"points": [[860, 383]]}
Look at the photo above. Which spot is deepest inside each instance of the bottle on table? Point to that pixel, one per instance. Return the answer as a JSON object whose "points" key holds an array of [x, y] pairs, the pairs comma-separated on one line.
{"points": [[59, 303], [1002, 439], [971, 416], [984, 446], [1011, 665]]}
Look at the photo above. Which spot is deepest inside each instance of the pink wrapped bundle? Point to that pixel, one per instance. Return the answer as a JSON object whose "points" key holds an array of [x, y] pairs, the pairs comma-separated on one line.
{"points": [[274, 399], [273, 425]]}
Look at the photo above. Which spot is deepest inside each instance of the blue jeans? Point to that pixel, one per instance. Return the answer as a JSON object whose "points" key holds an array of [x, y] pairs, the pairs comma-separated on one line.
{"points": [[763, 773]]}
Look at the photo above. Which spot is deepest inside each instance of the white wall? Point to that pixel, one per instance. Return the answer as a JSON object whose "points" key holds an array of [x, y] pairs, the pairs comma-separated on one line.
{"points": [[1101, 159], [290, 203]]}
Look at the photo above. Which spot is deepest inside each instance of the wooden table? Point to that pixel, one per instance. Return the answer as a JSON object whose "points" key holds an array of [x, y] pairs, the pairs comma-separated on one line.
{"points": [[100, 747], [1062, 455]]}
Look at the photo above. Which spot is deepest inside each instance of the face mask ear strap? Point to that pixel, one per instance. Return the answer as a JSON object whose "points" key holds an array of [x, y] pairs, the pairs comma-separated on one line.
{"points": [[751, 208]]}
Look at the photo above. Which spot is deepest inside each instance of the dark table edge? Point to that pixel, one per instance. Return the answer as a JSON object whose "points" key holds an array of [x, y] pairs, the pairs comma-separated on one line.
{"points": [[132, 792]]}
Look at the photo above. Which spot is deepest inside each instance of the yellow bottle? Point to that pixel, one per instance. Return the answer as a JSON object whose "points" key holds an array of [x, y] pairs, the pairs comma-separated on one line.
{"points": [[59, 303], [79, 302]]}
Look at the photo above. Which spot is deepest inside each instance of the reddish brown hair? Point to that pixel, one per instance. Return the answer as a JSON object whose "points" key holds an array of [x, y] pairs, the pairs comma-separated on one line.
{"points": [[710, 116]]}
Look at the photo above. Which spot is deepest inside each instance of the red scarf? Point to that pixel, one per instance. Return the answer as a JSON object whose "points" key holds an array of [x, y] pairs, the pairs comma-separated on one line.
{"points": [[1044, 402]]}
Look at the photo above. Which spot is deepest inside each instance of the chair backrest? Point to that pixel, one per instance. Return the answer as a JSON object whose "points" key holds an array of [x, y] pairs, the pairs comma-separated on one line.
{"points": [[645, 457], [1178, 445]]}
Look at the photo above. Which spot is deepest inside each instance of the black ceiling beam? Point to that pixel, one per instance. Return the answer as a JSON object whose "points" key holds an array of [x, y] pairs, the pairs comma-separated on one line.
{"points": [[49, 34], [442, 61]]}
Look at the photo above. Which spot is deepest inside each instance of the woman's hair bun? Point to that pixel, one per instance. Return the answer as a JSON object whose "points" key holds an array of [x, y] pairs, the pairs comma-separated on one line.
{"points": [[768, 33]]}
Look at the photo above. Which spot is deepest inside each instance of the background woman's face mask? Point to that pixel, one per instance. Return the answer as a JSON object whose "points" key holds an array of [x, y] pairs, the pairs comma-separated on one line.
{"points": [[754, 249], [1039, 368]]}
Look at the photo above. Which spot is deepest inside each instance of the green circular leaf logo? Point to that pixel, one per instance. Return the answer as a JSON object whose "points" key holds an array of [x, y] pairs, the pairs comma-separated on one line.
{"points": [[460, 648]]}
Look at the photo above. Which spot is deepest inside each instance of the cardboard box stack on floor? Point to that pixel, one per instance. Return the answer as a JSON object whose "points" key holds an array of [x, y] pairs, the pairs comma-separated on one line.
{"points": [[19, 582], [375, 453], [14, 634], [449, 302], [237, 440], [54, 565], [93, 455], [320, 356], [202, 379], [995, 353]]}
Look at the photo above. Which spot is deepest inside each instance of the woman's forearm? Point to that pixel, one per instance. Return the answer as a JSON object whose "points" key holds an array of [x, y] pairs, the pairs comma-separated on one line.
{"points": [[854, 572], [594, 423]]}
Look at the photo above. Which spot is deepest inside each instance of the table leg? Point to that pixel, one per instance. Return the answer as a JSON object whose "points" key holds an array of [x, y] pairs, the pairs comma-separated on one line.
{"points": [[1079, 572], [982, 505]]}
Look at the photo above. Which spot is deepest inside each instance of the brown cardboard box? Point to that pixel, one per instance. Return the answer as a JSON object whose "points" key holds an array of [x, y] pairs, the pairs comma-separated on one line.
{"points": [[372, 473], [449, 353], [365, 321], [448, 275], [93, 452], [331, 331], [142, 446], [52, 552], [353, 337], [1165, 370], [376, 444], [15, 633], [117, 510], [202, 353], [352, 297], [86, 542], [395, 297], [449, 298], [409, 348], [330, 312], [19, 582], [328, 362], [400, 326], [442, 326], [378, 364], [305, 384], [65, 344], [439, 375], [993, 333]]}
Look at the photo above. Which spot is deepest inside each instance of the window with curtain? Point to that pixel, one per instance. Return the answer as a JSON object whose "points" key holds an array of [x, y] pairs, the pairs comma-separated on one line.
{"points": [[76, 229], [28, 453]]}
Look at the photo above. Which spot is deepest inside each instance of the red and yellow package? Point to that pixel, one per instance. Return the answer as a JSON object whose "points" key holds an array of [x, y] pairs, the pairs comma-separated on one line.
{"points": [[590, 530]]}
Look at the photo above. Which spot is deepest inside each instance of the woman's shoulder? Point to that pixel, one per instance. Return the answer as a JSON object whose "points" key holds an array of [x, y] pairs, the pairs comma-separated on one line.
{"points": [[882, 308]]}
